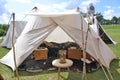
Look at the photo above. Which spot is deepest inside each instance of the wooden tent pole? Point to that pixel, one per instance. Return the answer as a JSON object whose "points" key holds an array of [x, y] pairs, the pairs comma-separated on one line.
{"points": [[84, 53], [16, 71]]}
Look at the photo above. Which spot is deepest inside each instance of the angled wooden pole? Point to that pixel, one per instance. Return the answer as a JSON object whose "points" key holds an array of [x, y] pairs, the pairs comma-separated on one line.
{"points": [[84, 53], [16, 71]]}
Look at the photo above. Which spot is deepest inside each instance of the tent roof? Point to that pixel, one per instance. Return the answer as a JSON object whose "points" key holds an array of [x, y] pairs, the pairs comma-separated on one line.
{"points": [[53, 14]]}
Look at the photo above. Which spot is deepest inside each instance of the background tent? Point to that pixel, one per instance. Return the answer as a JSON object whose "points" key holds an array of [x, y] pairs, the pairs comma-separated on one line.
{"points": [[101, 32], [19, 26], [40, 27]]}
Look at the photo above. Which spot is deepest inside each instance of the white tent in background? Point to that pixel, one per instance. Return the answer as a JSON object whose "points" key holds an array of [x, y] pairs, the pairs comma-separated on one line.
{"points": [[43, 24], [19, 26], [101, 32]]}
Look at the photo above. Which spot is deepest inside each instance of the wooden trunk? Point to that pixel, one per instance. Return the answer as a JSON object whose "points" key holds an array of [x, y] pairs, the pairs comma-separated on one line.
{"points": [[75, 54], [40, 54]]}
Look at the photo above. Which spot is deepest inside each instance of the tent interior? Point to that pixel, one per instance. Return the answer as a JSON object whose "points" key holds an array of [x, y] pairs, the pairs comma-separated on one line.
{"points": [[36, 37], [41, 58]]}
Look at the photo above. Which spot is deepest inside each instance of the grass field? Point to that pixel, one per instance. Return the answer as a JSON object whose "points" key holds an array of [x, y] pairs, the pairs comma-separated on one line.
{"points": [[112, 30]]}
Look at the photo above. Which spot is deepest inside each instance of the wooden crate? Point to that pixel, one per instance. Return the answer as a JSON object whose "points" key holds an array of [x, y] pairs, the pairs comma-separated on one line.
{"points": [[75, 54], [40, 54]]}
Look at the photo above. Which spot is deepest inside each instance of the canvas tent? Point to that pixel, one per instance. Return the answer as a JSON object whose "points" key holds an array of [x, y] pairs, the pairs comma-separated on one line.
{"points": [[19, 26], [43, 24], [101, 32]]}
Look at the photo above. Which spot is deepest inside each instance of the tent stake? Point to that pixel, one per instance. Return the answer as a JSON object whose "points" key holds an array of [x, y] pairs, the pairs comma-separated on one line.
{"points": [[16, 71]]}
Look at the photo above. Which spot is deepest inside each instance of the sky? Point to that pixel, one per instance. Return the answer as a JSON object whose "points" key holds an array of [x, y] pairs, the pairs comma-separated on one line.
{"points": [[108, 8]]}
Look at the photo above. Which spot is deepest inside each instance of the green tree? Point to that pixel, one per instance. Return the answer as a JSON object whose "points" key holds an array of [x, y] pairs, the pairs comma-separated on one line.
{"points": [[114, 20], [2, 32], [118, 20], [5, 26], [3, 29], [107, 22], [100, 17]]}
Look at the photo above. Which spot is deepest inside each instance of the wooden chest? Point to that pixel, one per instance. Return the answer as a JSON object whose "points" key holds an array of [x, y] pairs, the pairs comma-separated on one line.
{"points": [[40, 54], [75, 54]]}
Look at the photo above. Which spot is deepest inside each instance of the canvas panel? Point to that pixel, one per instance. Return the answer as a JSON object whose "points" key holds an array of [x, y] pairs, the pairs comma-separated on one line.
{"points": [[28, 41], [75, 32]]}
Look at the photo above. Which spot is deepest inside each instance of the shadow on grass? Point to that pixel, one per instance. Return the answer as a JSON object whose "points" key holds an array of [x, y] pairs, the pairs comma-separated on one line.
{"points": [[115, 69]]}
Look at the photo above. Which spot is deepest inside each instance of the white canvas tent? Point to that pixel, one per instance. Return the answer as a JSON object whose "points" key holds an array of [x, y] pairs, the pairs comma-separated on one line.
{"points": [[19, 26], [101, 32], [43, 24]]}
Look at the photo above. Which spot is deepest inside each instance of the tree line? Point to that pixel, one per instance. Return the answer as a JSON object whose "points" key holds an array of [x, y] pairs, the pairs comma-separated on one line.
{"points": [[103, 21], [3, 29]]}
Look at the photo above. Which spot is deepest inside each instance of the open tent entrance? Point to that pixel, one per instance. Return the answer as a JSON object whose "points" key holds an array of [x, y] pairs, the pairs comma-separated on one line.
{"points": [[41, 58]]}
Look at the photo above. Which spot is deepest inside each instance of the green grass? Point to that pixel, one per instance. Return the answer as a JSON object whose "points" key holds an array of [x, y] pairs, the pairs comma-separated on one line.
{"points": [[112, 30]]}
